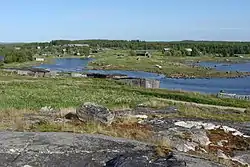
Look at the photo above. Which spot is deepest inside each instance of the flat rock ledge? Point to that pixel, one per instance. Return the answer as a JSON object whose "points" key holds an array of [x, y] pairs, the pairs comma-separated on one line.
{"points": [[27, 149]]}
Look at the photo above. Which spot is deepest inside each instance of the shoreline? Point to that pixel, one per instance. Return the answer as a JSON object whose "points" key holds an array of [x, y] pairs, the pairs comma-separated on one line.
{"points": [[181, 76], [203, 72], [173, 76]]}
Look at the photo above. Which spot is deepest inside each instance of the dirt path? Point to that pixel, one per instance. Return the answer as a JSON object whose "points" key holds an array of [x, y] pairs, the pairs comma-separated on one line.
{"points": [[207, 105]]}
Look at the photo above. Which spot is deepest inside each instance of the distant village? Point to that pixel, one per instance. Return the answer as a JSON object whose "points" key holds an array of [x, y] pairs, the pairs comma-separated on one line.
{"points": [[81, 50]]}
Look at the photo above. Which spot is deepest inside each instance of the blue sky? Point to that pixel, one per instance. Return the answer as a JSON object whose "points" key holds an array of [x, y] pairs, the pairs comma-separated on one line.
{"points": [[165, 20]]}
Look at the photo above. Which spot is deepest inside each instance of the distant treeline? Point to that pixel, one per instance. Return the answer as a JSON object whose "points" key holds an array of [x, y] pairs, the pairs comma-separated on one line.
{"points": [[206, 47], [177, 48], [11, 55]]}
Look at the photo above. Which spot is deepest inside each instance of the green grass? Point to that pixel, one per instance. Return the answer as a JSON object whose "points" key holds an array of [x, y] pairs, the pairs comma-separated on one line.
{"points": [[192, 111], [194, 97], [49, 59], [65, 93], [33, 93], [171, 66], [212, 114], [26, 64]]}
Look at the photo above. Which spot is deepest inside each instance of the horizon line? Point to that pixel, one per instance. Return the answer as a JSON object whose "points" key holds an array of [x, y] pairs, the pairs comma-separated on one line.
{"points": [[15, 42]]}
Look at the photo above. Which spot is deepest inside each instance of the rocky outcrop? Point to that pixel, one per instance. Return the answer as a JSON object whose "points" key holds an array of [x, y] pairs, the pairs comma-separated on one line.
{"points": [[82, 150], [206, 137], [94, 112], [214, 140]]}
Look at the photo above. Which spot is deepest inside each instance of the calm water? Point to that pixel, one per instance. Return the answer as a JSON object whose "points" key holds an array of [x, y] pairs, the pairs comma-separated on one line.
{"points": [[238, 85], [243, 67], [79, 65]]}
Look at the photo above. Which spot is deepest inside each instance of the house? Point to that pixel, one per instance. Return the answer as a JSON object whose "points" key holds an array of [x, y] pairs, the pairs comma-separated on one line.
{"points": [[82, 45], [188, 49], [233, 96], [77, 45], [38, 47], [38, 72], [39, 59], [17, 48], [145, 83], [24, 72], [142, 53], [78, 75], [166, 50]]}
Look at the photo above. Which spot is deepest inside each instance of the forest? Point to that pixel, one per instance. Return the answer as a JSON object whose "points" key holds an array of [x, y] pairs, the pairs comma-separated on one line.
{"points": [[205, 47], [11, 55]]}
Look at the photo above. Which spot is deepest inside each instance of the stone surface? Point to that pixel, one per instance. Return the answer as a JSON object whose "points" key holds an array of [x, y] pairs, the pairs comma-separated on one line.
{"points": [[94, 112], [210, 126], [221, 154], [150, 111], [185, 140], [243, 158], [82, 150], [189, 134], [47, 109], [200, 137]]}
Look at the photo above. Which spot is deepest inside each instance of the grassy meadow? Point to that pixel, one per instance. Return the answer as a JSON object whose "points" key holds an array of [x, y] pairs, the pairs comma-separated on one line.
{"points": [[33, 93], [22, 97], [30, 93], [171, 66]]}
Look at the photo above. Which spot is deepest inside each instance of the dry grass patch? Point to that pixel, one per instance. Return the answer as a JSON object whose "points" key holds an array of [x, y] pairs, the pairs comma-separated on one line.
{"points": [[162, 147], [157, 103], [127, 130], [212, 113], [12, 119]]}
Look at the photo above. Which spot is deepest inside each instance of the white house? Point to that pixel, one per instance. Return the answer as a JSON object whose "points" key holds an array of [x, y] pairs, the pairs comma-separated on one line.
{"points": [[77, 45], [39, 59], [166, 49], [189, 49]]}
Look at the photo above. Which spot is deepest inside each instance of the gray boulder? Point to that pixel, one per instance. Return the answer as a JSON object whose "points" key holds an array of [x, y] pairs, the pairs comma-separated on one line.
{"points": [[94, 112]]}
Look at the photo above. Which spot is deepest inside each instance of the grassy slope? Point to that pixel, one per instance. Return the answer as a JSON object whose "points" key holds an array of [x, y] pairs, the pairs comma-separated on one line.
{"points": [[28, 92], [171, 66], [48, 60]]}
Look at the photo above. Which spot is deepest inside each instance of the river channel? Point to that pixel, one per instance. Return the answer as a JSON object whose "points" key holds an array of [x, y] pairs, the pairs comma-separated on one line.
{"points": [[210, 86]]}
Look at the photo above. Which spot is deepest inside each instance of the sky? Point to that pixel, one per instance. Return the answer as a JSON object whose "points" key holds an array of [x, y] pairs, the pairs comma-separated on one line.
{"points": [[151, 20]]}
